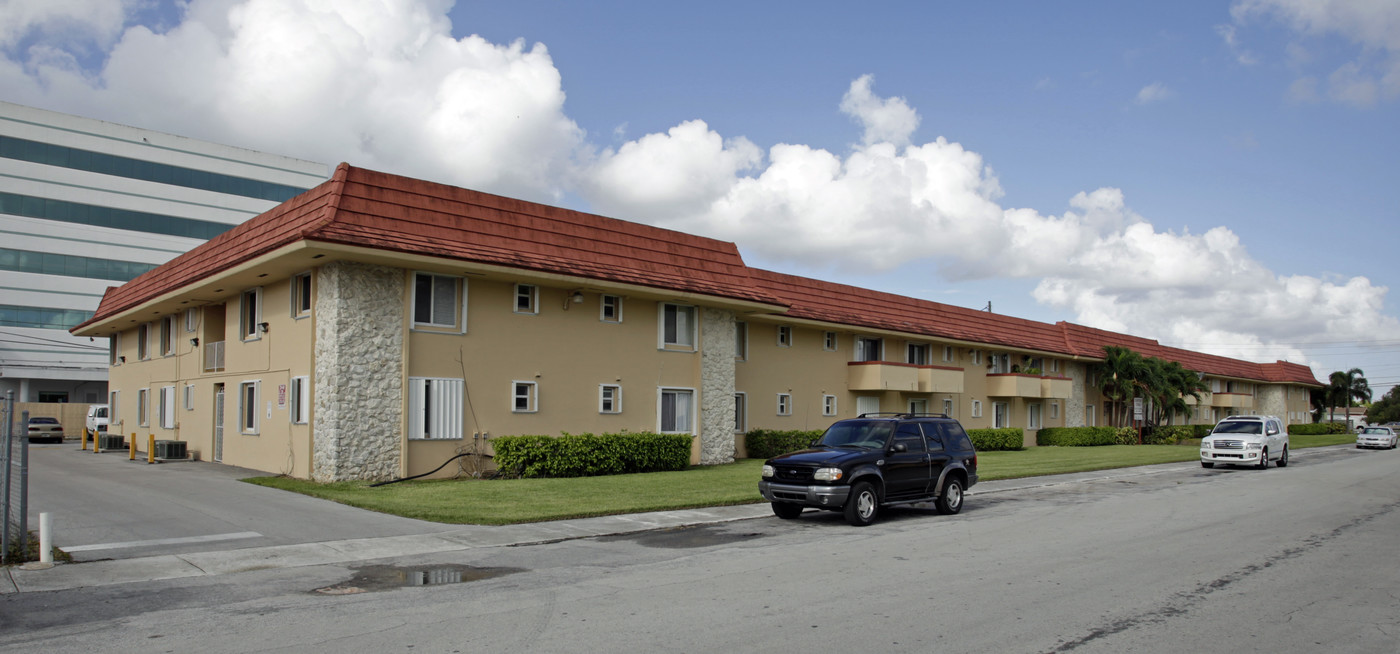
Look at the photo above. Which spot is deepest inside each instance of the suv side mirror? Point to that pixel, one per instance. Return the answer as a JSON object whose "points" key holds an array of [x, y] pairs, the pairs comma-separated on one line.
{"points": [[899, 447]]}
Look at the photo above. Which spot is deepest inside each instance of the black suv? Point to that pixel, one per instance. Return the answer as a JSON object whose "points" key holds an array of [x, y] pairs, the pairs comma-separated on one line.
{"points": [[877, 459]]}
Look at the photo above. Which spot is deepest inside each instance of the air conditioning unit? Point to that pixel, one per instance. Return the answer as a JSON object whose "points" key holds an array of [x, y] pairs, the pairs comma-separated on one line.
{"points": [[111, 441], [170, 450]]}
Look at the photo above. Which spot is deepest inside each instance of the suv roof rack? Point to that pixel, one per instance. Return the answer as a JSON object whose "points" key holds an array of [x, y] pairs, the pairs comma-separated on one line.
{"points": [[901, 414]]}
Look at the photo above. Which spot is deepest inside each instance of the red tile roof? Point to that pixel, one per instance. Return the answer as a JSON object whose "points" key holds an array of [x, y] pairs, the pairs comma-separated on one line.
{"points": [[388, 212]]}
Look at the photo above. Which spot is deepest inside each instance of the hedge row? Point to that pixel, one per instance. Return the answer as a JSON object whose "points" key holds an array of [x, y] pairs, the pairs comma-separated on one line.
{"points": [[1085, 436], [1318, 428], [1006, 439], [1173, 434], [588, 455], [768, 443]]}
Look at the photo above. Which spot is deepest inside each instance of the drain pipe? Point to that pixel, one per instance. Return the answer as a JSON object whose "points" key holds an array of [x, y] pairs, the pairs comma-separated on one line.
{"points": [[444, 465]]}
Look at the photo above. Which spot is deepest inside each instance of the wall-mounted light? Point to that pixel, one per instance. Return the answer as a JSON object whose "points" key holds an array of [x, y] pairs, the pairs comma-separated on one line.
{"points": [[575, 298], [122, 359], [194, 342], [262, 328]]}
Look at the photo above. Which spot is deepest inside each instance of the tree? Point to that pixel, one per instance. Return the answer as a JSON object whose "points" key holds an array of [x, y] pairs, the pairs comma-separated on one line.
{"points": [[1125, 375], [1386, 409], [1345, 387], [1118, 374]]}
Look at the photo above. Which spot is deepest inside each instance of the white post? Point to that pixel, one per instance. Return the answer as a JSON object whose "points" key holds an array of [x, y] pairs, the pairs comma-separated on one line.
{"points": [[45, 538]]}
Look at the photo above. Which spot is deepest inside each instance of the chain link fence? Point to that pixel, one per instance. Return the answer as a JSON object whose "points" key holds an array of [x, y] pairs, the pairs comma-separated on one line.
{"points": [[14, 474]]}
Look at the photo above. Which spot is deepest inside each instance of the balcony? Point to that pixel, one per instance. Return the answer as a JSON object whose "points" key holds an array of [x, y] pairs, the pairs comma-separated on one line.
{"points": [[1013, 384], [1057, 388], [940, 379], [214, 357], [882, 376], [1232, 400]]}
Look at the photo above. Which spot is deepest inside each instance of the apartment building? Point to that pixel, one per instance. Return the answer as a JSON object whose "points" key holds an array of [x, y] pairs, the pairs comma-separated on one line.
{"points": [[377, 325]]}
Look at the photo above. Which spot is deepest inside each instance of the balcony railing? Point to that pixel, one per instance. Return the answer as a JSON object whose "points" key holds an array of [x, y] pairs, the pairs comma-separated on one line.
{"points": [[882, 376], [1013, 384], [214, 357], [1232, 400]]}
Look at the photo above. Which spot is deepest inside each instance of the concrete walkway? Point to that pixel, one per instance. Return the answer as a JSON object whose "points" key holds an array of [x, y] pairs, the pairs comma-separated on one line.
{"points": [[24, 579]]}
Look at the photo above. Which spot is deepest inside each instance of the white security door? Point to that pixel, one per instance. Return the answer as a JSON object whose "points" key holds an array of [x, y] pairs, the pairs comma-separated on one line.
{"points": [[219, 423], [867, 404]]}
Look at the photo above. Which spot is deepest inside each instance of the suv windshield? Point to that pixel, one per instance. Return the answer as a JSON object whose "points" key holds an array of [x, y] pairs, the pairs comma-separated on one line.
{"points": [[857, 433], [1239, 427]]}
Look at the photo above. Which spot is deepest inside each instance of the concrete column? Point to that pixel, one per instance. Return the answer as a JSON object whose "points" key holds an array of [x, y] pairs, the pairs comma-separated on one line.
{"points": [[716, 387], [357, 425]]}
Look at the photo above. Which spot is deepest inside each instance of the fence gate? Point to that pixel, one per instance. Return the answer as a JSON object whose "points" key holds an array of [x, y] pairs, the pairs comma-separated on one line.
{"points": [[14, 502]]}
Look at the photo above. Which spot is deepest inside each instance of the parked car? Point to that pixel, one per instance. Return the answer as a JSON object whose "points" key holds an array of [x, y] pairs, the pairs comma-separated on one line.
{"points": [[861, 464], [1376, 437], [45, 429], [1246, 440], [97, 419]]}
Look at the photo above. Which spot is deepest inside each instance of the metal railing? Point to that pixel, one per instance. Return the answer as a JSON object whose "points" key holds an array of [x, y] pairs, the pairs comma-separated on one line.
{"points": [[214, 356]]}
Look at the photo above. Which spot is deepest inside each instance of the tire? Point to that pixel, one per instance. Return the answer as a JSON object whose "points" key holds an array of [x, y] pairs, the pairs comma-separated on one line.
{"points": [[787, 510], [1283, 460], [1207, 464], [862, 505], [1263, 459], [950, 501]]}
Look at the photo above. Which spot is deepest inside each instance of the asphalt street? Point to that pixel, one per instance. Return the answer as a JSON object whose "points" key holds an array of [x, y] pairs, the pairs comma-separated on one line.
{"points": [[1165, 558]]}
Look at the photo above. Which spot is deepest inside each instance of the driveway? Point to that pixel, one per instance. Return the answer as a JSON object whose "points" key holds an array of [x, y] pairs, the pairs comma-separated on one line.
{"points": [[104, 506]]}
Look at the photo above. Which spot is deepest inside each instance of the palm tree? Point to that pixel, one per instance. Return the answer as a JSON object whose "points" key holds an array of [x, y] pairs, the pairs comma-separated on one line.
{"points": [[1344, 387], [1119, 376]]}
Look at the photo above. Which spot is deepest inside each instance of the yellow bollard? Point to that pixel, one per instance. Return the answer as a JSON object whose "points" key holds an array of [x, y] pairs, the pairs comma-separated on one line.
{"points": [[132, 447], [85, 435], [150, 448]]}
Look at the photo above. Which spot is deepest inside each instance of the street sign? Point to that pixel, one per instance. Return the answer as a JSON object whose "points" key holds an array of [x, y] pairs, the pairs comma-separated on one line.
{"points": [[1137, 408]]}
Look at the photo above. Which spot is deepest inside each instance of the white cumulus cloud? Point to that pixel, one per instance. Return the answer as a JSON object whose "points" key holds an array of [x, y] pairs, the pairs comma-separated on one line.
{"points": [[1373, 25]]}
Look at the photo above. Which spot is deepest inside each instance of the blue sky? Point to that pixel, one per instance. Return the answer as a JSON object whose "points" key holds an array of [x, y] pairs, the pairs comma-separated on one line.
{"points": [[1216, 175]]}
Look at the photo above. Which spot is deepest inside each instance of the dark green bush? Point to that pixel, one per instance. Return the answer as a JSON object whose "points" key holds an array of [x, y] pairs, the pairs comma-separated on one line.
{"points": [[1170, 434], [589, 455], [1081, 436], [768, 443], [1317, 428], [1006, 439]]}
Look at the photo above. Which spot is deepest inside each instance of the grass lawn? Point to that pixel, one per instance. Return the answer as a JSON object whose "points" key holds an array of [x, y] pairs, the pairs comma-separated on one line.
{"points": [[510, 501]]}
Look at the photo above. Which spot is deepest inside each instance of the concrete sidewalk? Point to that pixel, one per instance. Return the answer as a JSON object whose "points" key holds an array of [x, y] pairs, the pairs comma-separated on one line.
{"points": [[101, 573]]}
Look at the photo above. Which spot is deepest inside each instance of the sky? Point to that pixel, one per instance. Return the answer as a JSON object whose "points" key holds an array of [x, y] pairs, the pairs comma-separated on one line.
{"points": [[1219, 176]]}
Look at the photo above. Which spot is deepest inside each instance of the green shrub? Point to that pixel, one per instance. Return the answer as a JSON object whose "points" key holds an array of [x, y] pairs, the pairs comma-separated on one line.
{"points": [[1006, 439], [768, 443], [1170, 434], [589, 455], [1317, 428], [1081, 436]]}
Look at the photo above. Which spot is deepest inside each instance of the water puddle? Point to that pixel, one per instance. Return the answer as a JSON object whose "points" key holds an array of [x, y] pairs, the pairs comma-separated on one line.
{"points": [[375, 578], [685, 537]]}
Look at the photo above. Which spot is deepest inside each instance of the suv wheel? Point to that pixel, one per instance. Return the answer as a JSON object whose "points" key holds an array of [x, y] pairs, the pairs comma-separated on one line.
{"points": [[787, 510], [950, 501], [862, 504], [1283, 460], [1264, 459]]}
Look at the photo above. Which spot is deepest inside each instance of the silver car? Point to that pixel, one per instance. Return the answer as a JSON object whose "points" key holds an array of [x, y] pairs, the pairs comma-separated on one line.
{"points": [[1379, 437], [42, 428]]}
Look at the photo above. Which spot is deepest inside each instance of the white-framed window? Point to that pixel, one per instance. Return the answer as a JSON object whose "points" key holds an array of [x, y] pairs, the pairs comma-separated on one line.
{"points": [[250, 314], [869, 349], [439, 301], [741, 341], [1054, 410], [784, 404], [527, 299], [1090, 419], [1033, 416], [948, 407], [248, 406], [828, 405], [674, 407], [609, 398], [1054, 365], [167, 336], [113, 401], [191, 320], [949, 354], [976, 357], [300, 400], [524, 397], [916, 353], [784, 336], [143, 407], [677, 326], [1001, 363], [829, 341], [610, 308], [867, 404], [143, 341], [434, 408], [189, 397], [301, 295], [167, 407], [1001, 415], [741, 412], [114, 343], [977, 408], [918, 405]]}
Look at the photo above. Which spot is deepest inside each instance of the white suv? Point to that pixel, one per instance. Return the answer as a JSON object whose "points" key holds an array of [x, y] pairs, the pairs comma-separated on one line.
{"points": [[1246, 440]]}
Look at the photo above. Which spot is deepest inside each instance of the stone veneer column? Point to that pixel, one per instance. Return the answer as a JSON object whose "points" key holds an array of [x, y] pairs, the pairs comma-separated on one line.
{"points": [[1074, 406], [359, 363], [1273, 401], [716, 387]]}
